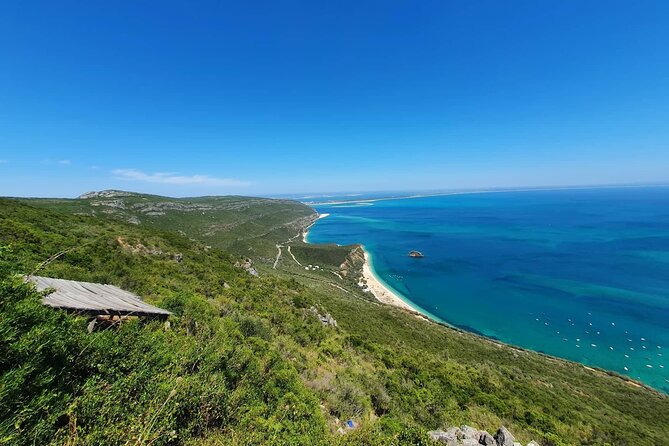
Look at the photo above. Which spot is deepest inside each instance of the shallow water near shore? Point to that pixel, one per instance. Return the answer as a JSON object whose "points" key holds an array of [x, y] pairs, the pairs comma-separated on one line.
{"points": [[580, 274]]}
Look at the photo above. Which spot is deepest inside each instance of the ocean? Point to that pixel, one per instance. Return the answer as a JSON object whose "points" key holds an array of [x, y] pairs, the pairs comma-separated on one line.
{"points": [[579, 274]]}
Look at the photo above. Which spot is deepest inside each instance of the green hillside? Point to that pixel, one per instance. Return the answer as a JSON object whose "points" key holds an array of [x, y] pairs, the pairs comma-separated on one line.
{"points": [[244, 225], [246, 359]]}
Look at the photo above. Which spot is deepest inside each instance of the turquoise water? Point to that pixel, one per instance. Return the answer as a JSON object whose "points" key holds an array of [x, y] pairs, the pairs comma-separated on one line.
{"points": [[580, 274]]}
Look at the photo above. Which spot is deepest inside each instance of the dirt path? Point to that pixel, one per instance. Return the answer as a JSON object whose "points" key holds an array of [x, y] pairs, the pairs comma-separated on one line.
{"points": [[293, 256], [278, 256], [341, 288], [286, 245]]}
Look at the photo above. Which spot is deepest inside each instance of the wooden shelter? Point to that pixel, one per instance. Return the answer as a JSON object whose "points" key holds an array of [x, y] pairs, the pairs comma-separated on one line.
{"points": [[94, 299]]}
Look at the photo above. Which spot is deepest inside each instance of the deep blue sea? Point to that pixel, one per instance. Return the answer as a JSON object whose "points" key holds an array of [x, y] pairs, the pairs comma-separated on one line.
{"points": [[580, 274]]}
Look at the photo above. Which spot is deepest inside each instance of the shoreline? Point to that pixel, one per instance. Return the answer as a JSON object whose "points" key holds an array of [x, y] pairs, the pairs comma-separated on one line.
{"points": [[379, 290], [389, 297], [305, 231], [384, 294]]}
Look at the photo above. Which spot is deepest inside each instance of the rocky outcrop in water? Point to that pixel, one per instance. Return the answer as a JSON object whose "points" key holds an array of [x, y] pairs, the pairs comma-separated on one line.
{"points": [[469, 436]]}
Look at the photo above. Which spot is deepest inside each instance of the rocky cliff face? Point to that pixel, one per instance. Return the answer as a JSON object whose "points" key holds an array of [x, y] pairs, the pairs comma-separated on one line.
{"points": [[326, 319], [353, 262], [468, 436]]}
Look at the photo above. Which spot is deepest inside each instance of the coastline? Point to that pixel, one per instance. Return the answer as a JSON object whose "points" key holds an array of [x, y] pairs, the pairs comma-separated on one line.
{"points": [[375, 285], [305, 231], [381, 292], [384, 294]]}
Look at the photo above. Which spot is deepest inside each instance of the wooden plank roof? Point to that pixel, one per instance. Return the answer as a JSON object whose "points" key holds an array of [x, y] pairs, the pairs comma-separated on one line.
{"points": [[94, 298]]}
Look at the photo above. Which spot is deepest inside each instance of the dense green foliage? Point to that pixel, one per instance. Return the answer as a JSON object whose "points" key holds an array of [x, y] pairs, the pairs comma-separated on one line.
{"points": [[246, 361], [328, 255]]}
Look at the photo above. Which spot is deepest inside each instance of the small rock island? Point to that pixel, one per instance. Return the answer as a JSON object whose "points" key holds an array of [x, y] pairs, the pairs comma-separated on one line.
{"points": [[416, 254]]}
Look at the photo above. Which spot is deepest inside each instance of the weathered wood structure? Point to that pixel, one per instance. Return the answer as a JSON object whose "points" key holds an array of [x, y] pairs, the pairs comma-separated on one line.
{"points": [[95, 299]]}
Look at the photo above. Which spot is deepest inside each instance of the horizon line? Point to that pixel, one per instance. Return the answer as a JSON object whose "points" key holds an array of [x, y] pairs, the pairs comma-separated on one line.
{"points": [[485, 191], [414, 193]]}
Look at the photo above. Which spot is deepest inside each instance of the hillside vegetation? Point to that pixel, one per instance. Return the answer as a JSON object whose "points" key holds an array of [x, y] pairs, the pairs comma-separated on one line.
{"points": [[244, 225], [247, 359]]}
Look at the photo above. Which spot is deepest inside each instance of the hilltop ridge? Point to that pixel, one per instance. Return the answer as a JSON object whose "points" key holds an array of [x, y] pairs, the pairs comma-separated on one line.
{"points": [[244, 225], [108, 193]]}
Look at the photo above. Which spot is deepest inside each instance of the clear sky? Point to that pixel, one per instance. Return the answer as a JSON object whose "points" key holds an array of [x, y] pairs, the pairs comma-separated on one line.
{"points": [[248, 97]]}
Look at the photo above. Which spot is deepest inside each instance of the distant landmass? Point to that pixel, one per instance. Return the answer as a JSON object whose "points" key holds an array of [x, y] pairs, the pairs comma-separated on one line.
{"points": [[239, 224]]}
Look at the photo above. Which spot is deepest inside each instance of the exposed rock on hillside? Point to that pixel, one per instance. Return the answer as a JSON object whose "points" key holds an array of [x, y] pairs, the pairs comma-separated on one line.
{"points": [[118, 204], [469, 436], [247, 265], [326, 319], [353, 262], [504, 437], [105, 194]]}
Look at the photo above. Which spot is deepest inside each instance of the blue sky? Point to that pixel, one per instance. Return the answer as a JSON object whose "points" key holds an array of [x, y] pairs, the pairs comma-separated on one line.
{"points": [[191, 98]]}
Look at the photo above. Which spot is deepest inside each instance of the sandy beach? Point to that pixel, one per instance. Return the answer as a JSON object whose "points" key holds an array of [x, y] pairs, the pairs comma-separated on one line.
{"points": [[372, 284], [380, 291]]}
